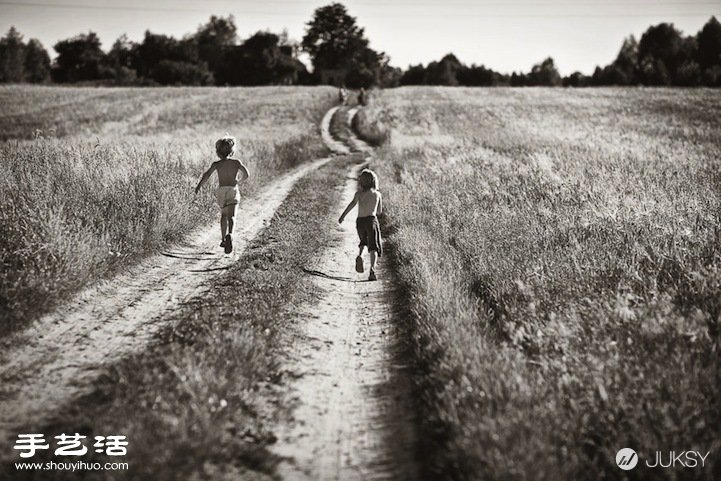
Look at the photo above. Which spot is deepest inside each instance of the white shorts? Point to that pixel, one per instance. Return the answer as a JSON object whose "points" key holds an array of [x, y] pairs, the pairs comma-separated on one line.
{"points": [[227, 195]]}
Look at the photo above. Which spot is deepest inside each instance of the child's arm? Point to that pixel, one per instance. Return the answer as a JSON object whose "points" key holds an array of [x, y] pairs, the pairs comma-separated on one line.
{"points": [[205, 177], [244, 170], [380, 203], [349, 208]]}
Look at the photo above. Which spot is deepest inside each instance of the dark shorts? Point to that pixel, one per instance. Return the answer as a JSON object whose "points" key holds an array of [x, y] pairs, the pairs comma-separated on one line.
{"points": [[369, 233]]}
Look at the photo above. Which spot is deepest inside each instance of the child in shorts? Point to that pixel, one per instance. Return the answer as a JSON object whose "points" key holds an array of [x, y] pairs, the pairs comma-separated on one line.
{"points": [[370, 205], [227, 194]]}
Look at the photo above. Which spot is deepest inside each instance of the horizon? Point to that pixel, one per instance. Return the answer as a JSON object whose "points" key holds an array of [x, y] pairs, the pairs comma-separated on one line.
{"points": [[579, 36]]}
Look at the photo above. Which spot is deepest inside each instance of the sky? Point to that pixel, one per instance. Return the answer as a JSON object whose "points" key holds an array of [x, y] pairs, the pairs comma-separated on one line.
{"points": [[506, 36]]}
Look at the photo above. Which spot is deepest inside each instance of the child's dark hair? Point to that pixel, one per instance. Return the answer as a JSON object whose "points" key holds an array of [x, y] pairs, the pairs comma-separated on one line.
{"points": [[368, 180], [225, 146]]}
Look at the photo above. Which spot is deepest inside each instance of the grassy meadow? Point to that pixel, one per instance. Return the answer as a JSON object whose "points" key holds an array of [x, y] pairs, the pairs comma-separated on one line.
{"points": [[93, 178], [561, 254]]}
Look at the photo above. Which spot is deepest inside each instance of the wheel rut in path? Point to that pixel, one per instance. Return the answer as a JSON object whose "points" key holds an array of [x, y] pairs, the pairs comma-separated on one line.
{"points": [[59, 356], [353, 417], [329, 140]]}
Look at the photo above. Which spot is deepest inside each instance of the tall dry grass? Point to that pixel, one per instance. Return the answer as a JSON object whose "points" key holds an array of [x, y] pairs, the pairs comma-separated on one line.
{"points": [[562, 258], [368, 125], [93, 178]]}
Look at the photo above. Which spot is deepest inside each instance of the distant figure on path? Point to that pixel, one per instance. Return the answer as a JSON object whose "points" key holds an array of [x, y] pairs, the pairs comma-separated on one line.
{"points": [[363, 97], [370, 204], [227, 194], [342, 95]]}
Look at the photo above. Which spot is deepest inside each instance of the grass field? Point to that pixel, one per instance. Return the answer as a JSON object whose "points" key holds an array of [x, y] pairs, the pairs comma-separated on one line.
{"points": [[93, 178], [562, 258], [559, 250]]}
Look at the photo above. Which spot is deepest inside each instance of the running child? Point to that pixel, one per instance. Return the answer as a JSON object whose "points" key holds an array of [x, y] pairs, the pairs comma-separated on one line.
{"points": [[370, 205], [227, 194], [342, 95]]}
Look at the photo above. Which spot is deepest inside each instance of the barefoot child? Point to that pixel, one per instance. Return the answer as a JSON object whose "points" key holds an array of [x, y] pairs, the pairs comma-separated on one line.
{"points": [[370, 204], [227, 194]]}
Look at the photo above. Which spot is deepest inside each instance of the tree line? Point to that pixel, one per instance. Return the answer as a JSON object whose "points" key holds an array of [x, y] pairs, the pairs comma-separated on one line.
{"points": [[210, 56], [663, 56], [341, 55]]}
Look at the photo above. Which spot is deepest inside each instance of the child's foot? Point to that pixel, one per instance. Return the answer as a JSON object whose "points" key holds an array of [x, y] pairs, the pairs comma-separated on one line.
{"points": [[222, 243], [359, 264], [228, 244], [372, 276]]}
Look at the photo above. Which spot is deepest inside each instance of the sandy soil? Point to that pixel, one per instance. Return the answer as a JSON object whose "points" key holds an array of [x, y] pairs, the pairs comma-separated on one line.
{"points": [[352, 415], [59, 356]]}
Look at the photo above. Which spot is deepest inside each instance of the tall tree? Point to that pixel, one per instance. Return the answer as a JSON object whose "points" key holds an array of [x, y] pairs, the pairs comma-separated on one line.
{"points": [[260, 60], [623, 70], [122, 52], [120, 60], [545, 73], [214, 38], [333, 38], [444, 72], [625, 63], [37, 62], [79, 58], [365, 68], [179, 56], [709, 44], [661, 51], [12, 57]]}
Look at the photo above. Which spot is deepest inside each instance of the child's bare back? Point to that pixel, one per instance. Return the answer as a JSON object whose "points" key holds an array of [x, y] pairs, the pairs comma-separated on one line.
{"points": [[228, 171], [369, 203]]}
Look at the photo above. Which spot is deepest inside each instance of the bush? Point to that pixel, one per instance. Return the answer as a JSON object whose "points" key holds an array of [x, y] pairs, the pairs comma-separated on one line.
{"points": [[170, 72], [712, 76], [369, 128]]}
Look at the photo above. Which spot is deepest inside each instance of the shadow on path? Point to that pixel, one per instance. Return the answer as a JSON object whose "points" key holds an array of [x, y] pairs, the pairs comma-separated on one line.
{"points": [[191, 256], [317, 273], [213, 269]]}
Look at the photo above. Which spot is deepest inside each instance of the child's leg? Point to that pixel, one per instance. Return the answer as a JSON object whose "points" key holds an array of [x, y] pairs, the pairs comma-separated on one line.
{"points": [[223, 224], [374, 245], [374, 256], [231, 217], [359, 260], [228, 215]]}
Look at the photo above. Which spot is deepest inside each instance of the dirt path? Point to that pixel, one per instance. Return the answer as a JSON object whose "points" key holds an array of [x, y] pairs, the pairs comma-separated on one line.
{"points": [[357, 145], [325, 132], [58, 357], [353, 416], [340, 128]]}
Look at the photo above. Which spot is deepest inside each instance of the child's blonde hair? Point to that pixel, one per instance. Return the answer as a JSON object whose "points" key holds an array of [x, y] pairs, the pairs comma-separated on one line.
{"points": [[225, 146], [368, 180]]}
